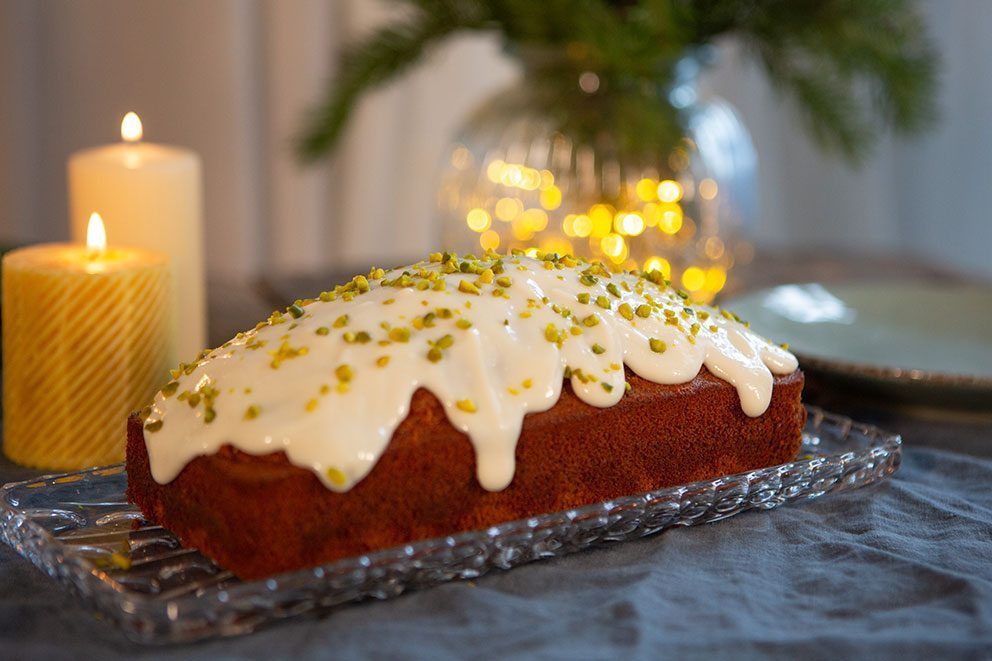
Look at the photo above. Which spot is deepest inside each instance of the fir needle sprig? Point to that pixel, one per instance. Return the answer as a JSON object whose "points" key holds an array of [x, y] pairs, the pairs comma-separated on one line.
{"points": [[852, 68]]}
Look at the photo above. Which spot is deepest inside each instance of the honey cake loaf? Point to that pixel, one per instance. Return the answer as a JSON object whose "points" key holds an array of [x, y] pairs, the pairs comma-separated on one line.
{"points": [[451, 395]]}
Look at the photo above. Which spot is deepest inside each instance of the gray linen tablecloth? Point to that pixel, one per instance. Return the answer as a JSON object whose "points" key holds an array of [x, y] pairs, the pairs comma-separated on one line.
{"points": [[902, 569]]}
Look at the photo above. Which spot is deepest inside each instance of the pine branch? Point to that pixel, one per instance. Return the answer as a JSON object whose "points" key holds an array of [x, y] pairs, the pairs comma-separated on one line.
{"points": [[388, 53], [851, 67]]}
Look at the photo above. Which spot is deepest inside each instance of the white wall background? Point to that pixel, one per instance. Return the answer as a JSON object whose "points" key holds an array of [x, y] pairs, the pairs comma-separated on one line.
{"points": [[232, 79]]}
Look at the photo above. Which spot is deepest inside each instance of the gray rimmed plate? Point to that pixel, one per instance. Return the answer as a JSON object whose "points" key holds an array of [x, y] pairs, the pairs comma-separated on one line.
{"points": [[911, 342]]}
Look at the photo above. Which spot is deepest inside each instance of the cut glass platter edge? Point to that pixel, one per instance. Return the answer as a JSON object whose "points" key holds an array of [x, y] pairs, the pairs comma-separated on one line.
{"points": [[80, 529]]}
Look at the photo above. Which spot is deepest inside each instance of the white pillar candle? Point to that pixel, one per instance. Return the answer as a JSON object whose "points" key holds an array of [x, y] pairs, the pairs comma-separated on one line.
{"points": [[150, 197]]}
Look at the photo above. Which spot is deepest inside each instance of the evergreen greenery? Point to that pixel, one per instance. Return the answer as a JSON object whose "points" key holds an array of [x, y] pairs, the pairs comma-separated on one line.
{"points": [[851, 67]]}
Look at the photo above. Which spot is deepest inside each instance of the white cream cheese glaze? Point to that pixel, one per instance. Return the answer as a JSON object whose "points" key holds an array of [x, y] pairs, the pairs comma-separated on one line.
{"points": [[329, 380]]}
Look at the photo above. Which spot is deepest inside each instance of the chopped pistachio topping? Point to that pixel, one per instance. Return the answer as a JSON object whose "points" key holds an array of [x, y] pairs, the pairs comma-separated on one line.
{"points": [[341, 321], [382, 361], [603, 302], [153, 426], [590, 321], [361, 337], [311, 405], [552, 334], [626, 311], [612, 288], [658, 346], [463, 323], [399, 334], [598, 349], [285, 352], [643, 311], [467, 287], [504, 281], [344, 372], [583, 297], [252, 412], [466, 405], [295, 310], [322, 330], [336, 476]]}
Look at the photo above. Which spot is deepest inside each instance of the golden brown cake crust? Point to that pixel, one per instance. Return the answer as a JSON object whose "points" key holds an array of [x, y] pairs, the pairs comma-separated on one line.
{"points": [[260, 515]]}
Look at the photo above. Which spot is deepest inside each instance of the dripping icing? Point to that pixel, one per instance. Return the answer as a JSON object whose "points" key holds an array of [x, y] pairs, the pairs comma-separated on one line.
{"points": [[328, 381]]}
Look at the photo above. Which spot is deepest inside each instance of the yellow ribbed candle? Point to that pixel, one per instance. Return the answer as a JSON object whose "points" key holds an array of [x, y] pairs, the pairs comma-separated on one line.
{"points": [[87, 338]]}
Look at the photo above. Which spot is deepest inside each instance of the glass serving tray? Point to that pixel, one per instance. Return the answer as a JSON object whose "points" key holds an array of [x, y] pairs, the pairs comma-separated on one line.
{"points": [[80, 529]]}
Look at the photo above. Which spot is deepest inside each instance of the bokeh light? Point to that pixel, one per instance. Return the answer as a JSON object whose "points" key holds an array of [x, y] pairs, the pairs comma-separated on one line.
{"points": [[551, 198], [716, 278], [582, 225], [612, 245], [508, 208], [659, 264], [669, 191], [708, 189], [489, 240], [478, 220], [647, 190], [693, 278], [626, 219], [631, 224], [669, 218]]}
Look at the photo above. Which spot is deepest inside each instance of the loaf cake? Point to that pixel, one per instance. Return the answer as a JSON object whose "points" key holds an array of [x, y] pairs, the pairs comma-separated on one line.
{"points": [[452, 395]]}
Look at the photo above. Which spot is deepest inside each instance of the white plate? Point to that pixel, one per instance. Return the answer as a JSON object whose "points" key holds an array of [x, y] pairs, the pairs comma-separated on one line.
{"points": [[925, 343]]}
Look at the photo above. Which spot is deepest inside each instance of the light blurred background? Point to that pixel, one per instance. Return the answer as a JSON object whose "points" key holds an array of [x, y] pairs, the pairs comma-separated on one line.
{"points": [[232, 79]]}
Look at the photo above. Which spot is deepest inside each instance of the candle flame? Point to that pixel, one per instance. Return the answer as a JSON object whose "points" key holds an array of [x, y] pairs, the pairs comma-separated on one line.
{"points": [[96, 235], [131, 130]]}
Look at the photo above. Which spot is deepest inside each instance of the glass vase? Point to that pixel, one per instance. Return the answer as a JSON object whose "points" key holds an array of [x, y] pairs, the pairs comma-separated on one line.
{"points": [[591, 171]]}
